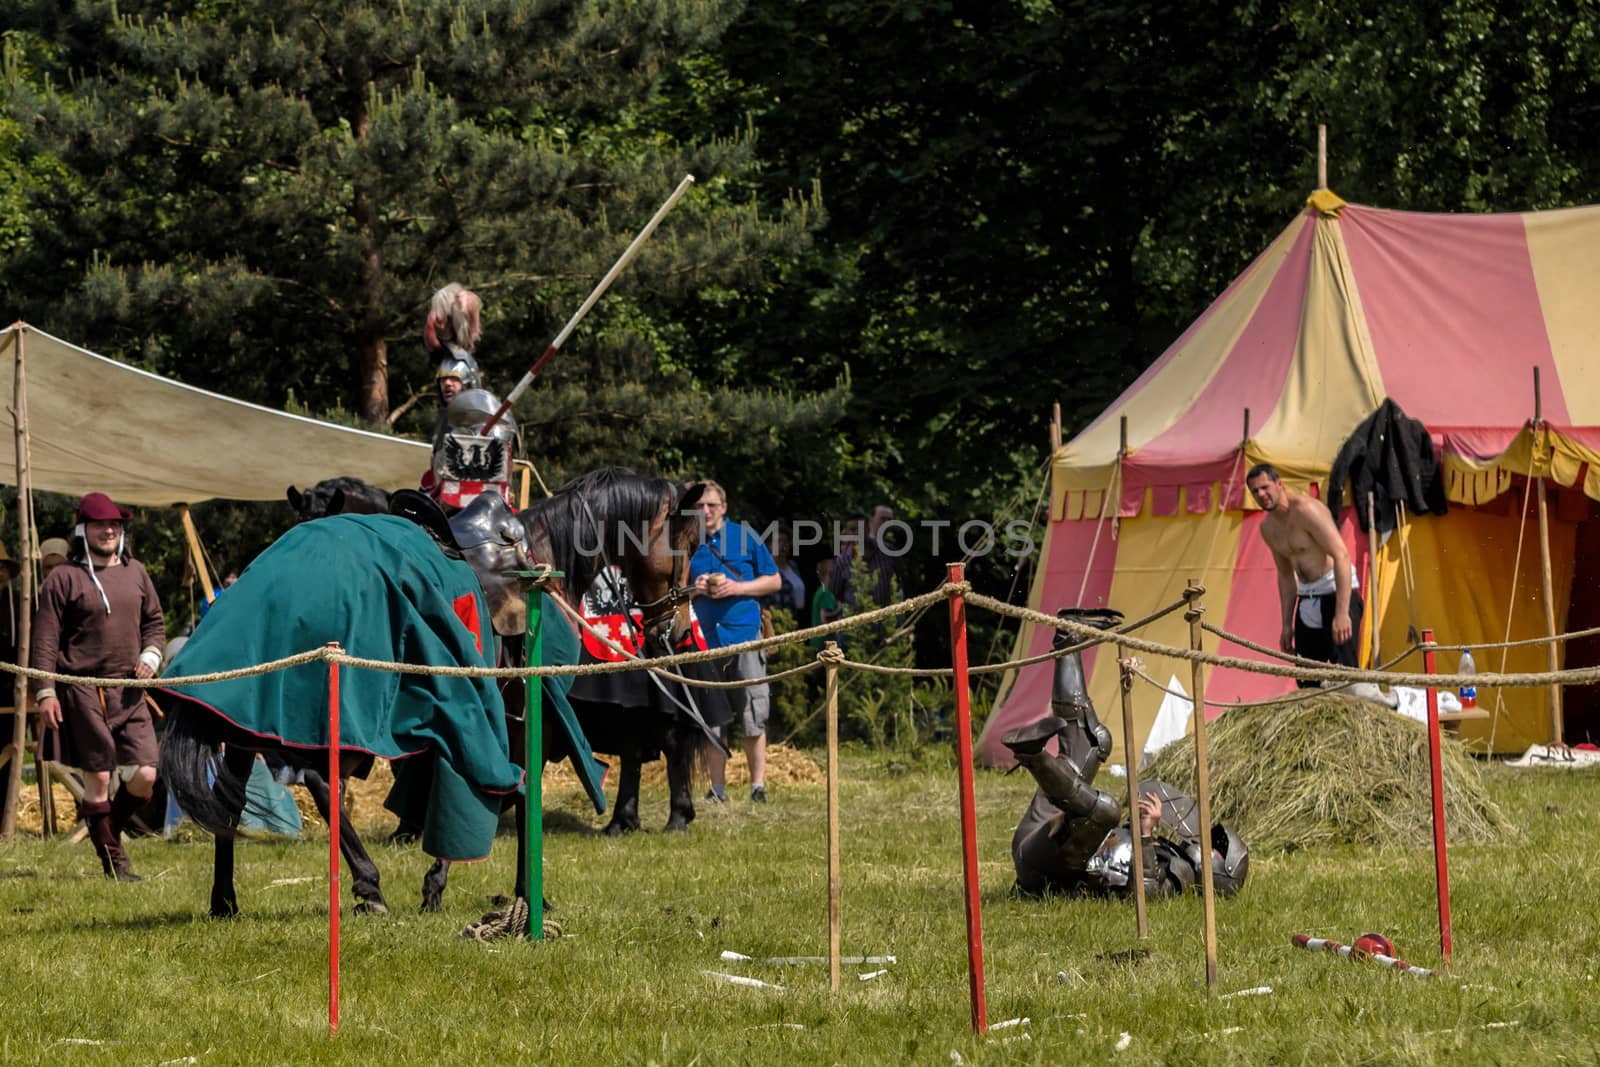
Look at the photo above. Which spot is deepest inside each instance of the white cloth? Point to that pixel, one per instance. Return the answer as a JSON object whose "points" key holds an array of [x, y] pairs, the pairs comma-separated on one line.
{"points": [[1310, 605]]}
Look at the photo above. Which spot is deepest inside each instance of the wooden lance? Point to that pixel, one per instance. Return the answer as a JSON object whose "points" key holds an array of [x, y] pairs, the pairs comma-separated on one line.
{"points": [[605, 283]]}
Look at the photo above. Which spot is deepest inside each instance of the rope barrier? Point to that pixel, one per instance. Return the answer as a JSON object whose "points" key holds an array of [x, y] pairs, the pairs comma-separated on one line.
{"points": [[1088, 637]]}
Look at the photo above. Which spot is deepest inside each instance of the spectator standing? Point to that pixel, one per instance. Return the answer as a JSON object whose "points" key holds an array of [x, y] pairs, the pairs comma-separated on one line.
{"points": [[99, 616], [53, 553], [864, 539], [824, 606], [731, 571], [791, 594]]}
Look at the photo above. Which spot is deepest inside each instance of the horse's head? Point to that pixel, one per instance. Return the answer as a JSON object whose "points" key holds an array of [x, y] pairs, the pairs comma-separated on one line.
{"points": [[338, 496], [490, 538], [614, 517]]}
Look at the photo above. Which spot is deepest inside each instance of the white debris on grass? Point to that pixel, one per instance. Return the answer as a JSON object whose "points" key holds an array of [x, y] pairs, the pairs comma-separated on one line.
{"points": [[290, 881], [1020, 1021], [739, 979], [849, 961], [1124, 1041], [1225, 1031], [1258, 991], [870, 975]]}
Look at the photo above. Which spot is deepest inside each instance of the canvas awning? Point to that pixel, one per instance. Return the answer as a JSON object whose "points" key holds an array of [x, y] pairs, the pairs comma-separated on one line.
{"points": [[98, 425]]}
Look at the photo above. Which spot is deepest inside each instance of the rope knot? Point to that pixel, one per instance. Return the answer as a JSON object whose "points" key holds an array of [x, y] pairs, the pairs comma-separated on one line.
{"points": [[831, 654], [1193, 613]]}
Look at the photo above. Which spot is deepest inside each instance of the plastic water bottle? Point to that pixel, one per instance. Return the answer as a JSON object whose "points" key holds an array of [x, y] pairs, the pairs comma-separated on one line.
{"points": [[1467, 693]]}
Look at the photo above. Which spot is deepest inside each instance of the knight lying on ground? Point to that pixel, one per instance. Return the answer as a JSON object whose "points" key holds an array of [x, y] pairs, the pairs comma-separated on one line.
{"points": [[1069, 840]]}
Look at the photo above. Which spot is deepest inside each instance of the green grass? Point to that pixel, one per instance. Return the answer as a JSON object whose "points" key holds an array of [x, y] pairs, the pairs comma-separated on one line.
{"points": [[139, 969]]}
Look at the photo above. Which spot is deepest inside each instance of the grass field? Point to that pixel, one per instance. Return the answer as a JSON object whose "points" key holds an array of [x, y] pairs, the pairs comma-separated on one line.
{"points": [[134, 974]]}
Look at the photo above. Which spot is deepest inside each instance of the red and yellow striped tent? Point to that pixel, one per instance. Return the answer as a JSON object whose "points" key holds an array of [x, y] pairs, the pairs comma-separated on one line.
{"points": [[1449, 315]]}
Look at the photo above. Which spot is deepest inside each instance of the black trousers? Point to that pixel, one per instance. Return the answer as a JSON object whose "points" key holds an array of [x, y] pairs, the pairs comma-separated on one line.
{"points": [[1318, 643]]}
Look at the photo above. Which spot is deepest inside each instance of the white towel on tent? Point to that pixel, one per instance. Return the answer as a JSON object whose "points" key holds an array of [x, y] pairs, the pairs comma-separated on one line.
{"points": [[1172, 720]]}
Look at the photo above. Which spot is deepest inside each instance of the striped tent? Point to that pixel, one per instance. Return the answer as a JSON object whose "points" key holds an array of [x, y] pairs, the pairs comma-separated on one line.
{"points": [[1451, 317]]}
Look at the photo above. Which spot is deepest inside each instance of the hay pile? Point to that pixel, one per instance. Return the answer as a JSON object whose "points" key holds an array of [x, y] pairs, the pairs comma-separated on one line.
{"points": [[1332, 770]]}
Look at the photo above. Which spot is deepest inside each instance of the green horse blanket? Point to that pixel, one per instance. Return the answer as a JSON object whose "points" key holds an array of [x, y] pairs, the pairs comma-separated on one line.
{"points": [[380, 587]]}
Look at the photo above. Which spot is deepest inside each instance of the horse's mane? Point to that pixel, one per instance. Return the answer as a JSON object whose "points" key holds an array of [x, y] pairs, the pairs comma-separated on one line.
{"points": [[613, 497]]}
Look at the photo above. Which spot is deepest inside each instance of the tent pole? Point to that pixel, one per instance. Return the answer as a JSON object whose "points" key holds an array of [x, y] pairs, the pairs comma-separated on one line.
{"points": [[1557, 731], [193, 537], [1322, 155], [1372, 577], [19, 689], [1055, 429]]}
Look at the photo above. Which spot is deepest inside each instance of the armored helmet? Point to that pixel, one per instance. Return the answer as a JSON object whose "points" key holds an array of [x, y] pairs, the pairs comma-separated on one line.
{"points": [[1230, 860], [459, 363]]}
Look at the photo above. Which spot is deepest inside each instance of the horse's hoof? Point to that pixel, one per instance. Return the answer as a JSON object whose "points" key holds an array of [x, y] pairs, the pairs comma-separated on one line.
{"points": [[431, 904], [224, 909], [676, 825], [617, 829], [370, 907]]}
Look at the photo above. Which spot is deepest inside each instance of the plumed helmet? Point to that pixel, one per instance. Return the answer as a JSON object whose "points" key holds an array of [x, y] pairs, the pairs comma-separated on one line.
{"points": [[1230, 860], [459, 363]]}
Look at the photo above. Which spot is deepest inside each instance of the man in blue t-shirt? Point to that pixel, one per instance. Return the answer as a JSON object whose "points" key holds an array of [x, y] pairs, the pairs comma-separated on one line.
{"points": [[731, 571]]}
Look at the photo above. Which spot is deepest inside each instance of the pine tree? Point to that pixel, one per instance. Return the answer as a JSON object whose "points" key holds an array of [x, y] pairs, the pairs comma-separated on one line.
{"points": [[264, 196]]}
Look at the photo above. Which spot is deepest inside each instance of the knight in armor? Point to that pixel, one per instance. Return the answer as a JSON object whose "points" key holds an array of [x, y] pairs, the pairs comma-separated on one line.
{"points": [[466, 461], [1072, 838]]}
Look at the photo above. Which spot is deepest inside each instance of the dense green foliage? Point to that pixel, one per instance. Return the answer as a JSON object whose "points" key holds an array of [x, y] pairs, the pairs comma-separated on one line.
{"points": [[917, 222], [137, 968]]}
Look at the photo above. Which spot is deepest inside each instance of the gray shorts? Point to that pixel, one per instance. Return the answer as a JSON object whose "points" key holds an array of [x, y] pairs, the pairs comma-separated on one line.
{"points": [[752, 705]]}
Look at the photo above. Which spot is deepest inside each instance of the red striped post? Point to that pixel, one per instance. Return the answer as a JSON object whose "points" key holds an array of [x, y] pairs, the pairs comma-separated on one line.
{"points": [[1441, 860], [969, 811], [334, 814]]}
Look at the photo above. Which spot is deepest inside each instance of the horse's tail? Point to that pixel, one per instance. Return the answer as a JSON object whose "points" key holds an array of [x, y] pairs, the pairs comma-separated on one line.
{"points": [[196, 774]]}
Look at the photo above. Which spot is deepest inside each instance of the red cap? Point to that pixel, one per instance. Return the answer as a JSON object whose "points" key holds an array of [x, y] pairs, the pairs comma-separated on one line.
{"points": [[97, 507]]}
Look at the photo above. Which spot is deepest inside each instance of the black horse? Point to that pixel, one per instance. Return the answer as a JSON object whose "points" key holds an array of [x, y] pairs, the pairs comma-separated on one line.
{"points": [[630, 715], [645, 528], [571, 531], [206, 756], [338, 496]]}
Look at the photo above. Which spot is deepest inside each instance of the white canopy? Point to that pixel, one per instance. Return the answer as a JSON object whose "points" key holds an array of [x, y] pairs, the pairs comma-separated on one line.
{"points": [[98, 425]]}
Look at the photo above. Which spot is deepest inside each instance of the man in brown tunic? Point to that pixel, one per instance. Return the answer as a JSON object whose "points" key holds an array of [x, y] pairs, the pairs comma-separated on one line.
{"points": [[99, 617]]}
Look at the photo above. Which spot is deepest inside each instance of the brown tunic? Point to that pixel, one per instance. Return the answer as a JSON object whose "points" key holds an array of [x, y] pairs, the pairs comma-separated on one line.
{"points": [[73, 634]]}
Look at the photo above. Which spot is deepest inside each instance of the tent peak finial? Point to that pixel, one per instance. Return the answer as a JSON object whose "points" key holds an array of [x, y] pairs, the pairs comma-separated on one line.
{"points": [[1325, 203]]}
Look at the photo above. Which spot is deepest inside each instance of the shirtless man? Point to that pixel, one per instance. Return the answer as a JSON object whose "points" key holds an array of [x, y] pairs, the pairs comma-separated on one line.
{"points": [[1316, 580]]}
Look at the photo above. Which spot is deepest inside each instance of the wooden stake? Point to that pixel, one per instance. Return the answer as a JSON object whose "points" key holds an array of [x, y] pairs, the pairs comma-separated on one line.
{"points": [[1202, 770], [1372, 576], [1441, 860], [195, 553], [830, 674], [1130, 755], [19, 689], [1557, 725]]}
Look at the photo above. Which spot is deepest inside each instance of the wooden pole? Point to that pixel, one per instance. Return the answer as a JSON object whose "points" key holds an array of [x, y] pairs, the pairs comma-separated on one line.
{"points": [[1441, 860], [1130, 754], [19, 688], [193, 537], [1372, 577], [1557, 725], [533, 767], [335, 813], [956, 575], [1055, 429], [1192, 594], [830, 674], [1322, 155]]}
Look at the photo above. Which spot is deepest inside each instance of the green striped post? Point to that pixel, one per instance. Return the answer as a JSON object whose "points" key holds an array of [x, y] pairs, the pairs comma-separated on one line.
{"points": [[533, 751]]}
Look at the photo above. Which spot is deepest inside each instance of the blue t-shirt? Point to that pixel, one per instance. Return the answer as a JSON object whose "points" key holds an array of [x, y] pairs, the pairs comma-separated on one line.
{"points": [[730, 620]]}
